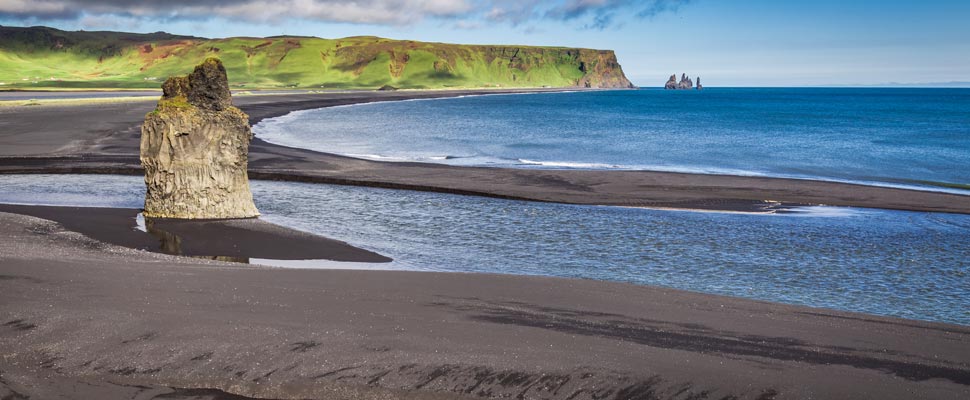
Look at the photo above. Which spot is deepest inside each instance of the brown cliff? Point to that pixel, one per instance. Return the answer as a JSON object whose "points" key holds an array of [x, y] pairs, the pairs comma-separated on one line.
{"points": [[601, 70]]}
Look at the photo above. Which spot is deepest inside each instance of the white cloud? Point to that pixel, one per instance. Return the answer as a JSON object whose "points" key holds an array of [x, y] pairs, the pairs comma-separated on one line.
{"points": [[465, 13]]}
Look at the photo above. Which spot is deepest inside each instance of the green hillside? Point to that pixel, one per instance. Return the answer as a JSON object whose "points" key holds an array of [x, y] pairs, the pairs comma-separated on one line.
{"points": [[41, 57]]}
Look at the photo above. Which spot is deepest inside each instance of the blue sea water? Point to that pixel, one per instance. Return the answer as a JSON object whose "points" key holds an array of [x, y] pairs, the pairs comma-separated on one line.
{"points": [[893, 137], [906, 264]]}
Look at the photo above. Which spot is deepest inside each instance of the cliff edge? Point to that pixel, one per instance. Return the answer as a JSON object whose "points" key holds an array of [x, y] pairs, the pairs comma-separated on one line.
{"points": [[602, 70], [129, 60]]}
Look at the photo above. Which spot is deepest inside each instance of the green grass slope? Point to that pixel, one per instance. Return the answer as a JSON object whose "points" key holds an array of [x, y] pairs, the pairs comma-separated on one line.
{"points": [[41, 57]]}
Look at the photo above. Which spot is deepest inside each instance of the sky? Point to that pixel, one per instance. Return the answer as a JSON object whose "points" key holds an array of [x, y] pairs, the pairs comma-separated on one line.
{"points": [[725, 42]]}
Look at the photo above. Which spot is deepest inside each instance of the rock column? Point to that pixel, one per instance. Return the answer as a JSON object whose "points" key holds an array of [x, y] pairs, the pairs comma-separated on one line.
{"points": [[671, 83], [194, 148]]}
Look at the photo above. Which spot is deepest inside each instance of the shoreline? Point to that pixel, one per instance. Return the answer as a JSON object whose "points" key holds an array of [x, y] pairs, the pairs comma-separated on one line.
{"points": [[180, 327], [86, 315], [938, 201], [902, 184], [108, 143], [235, 240]]}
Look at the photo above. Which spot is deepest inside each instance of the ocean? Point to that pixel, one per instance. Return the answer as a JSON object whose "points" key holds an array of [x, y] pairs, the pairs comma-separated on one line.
{"points": [[918, 138], [906, 264]]}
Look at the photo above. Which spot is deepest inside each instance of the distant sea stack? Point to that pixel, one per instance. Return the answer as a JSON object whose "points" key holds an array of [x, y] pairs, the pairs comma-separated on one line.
{"points": [[195, 148], [685, 83]]}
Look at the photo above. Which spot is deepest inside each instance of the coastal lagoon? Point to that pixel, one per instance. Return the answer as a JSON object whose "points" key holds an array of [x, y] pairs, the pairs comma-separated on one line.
{"points": [[889, 137], [907, 264]]}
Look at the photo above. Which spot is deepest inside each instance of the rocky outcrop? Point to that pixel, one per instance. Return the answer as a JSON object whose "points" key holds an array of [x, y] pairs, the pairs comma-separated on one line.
{"points": [[699, 86], [685, 82], [672, 82], [601, 70], [194, 148]]}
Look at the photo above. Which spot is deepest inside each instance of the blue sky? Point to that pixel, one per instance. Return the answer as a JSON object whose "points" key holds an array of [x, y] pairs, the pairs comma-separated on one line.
{"points": [[727, 43]]}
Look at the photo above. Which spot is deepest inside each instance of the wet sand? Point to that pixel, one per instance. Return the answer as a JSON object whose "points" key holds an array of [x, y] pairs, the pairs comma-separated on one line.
{"points": [[237, 240], [84, 319], [103, 138]]}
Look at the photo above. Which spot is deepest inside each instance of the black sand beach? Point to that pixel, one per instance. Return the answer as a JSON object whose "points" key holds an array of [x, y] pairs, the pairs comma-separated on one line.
{"points": [[85, 319], [85, 314], [229, 240], [103, 138]]}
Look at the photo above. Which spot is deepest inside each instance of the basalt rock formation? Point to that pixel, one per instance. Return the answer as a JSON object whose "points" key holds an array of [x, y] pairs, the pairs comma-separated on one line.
{"points": [[194, 148], [685, 82], [672, 82]]}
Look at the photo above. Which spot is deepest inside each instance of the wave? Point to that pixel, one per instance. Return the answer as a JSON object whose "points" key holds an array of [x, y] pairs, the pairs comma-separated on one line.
{"points": [[823, 211], [378, 157], [570, 165], [399, 158]]}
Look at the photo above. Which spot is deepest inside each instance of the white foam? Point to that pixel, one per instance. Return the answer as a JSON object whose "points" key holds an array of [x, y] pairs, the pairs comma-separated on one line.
{"points": [[567, 164], [823, 211], [322, 264], [140, 223], [799, 211], [377, 157]]}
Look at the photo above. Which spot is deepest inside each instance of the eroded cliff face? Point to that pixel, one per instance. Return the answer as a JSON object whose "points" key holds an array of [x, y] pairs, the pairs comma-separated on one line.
{"points": [[491, 65], [195, 148], [602, 70]]}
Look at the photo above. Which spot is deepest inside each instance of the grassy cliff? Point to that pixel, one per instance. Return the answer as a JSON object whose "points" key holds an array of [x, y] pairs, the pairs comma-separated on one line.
{"points": [[40, 57]]}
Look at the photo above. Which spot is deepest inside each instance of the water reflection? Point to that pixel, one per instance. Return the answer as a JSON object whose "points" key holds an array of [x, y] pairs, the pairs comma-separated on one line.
{"points": [[169, 243], [172, 244]]}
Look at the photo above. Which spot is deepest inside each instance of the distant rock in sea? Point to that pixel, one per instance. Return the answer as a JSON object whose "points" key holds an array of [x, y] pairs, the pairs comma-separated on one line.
{"points": [[672, 82], [195, 148], [685, 82], [699, 86]]}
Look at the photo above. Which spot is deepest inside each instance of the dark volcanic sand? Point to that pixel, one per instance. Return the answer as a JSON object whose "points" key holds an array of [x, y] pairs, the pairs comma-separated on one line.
{"points": [[228, 240], [87, 320], [103, 138], [83, 319]]}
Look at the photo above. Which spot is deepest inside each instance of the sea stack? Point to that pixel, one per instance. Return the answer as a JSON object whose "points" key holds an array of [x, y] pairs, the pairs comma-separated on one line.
{"points": [[672, 82], [685, 82], [195, 148], [699, 86]]}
